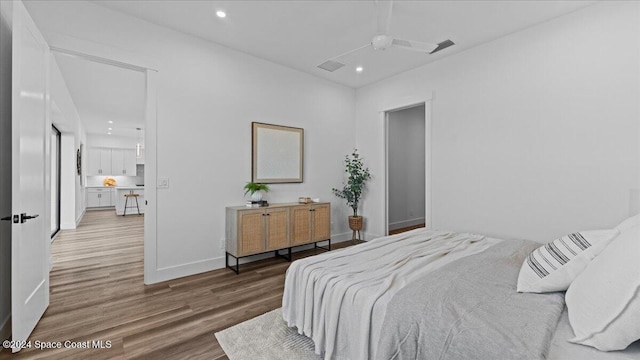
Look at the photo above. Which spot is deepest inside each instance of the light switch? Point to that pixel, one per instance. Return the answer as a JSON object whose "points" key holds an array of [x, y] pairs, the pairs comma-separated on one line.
{"points": [[163, 183]]}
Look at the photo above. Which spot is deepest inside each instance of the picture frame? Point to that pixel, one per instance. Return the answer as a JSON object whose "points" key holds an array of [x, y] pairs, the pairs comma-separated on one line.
{"points": [[277, 153]]}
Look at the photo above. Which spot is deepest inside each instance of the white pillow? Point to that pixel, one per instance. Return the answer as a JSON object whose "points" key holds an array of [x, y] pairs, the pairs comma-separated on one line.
{"points": [[552, 267], [629, 223], [604, 301]]}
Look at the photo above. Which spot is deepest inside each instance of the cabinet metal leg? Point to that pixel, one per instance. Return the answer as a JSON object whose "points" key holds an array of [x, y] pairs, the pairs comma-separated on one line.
{"points": [[327, 248], [235, 269], [288, 257]]}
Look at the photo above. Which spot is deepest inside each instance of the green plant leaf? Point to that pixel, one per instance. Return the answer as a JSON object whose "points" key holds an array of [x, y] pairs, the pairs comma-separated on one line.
{"points": [[252, 188], [358, 175]]}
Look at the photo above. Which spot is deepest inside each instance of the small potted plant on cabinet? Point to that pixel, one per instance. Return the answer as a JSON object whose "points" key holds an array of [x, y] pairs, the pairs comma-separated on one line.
{"points": [[353, 188], [256, 190]]}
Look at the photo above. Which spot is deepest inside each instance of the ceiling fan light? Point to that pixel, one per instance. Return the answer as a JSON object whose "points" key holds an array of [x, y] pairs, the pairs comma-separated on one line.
{"points": [[381, 42]]}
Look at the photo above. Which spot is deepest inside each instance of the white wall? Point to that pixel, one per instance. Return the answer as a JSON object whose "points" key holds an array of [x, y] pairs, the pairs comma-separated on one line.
{"points": [[534, 135], [406, 164], [118, 142], [208, 95], [6, 29], [65, 117]]}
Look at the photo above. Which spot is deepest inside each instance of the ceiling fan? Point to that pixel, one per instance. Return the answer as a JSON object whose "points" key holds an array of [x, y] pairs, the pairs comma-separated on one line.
{"points": [[384, 40]]}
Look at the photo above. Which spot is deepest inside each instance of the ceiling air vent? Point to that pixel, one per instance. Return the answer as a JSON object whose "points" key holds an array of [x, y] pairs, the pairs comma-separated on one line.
{"points": [[331, 65]]}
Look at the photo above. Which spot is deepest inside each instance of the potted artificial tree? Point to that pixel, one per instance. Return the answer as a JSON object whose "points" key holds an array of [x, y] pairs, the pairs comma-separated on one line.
{"points": [[256, 190], [352, 189]]}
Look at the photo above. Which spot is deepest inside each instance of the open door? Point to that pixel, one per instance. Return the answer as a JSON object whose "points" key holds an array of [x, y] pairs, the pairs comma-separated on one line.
{"points": [[30, 236]]}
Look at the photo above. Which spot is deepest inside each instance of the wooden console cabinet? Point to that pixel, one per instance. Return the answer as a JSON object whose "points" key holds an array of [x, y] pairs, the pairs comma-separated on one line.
{"points": [[251, 231]]}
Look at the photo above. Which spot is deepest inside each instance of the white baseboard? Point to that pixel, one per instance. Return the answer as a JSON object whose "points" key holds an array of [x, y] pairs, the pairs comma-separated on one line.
{"points": [[79, 219], [406, 223], [5, 328], [178, 271], [370, 236], [67, 226], [196, 267], [71, 225]]}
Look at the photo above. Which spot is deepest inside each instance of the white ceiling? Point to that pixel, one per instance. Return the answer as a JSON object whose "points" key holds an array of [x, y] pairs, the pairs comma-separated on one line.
{"points": [[103, 93], [303, 34]]}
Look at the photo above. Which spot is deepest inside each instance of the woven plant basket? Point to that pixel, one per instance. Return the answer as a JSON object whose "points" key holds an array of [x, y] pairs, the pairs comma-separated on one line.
{"points": [[355, 223]]}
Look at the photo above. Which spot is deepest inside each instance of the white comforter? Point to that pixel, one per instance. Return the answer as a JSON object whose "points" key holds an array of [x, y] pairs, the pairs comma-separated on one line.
{"points": [[339, 298]]}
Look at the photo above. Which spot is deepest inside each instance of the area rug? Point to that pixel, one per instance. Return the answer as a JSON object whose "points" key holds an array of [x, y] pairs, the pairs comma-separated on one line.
{"points": [[265, 337]]}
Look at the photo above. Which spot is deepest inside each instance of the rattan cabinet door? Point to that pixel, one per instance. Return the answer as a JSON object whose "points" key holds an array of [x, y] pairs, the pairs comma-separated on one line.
{"points": [[277, 228], [321, 225], [251, 232], [300, 225]]}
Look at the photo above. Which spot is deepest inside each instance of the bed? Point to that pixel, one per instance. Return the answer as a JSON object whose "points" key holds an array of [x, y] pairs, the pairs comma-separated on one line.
{"points": [[428, 294]]}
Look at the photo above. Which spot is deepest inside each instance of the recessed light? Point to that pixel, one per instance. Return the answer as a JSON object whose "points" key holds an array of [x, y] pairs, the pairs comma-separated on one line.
{"points": [[109, 133], [359, 69], [110, 129], [221, 14], [110, 121]]}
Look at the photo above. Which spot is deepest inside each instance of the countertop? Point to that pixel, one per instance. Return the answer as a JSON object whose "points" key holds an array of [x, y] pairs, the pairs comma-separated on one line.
{"points": [[134, 187]]}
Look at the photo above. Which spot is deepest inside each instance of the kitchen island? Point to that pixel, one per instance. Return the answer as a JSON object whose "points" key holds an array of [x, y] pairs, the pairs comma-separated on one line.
{"points": [[131, 205]]}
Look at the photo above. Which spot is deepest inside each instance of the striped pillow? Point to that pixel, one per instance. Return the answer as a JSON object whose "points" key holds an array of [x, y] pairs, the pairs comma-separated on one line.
{"points": [[553, 266]]}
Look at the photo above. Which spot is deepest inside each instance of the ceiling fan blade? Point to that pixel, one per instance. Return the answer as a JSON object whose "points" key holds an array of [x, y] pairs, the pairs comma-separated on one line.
{"points": [[443, 45], [384, 11], [337, 62], [414, 45]]}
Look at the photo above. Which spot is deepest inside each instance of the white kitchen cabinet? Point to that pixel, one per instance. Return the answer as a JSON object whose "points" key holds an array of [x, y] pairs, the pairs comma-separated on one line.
{"points": [[100, 197], [123, 162], [114, 162], [99, 161], [130, 162]]}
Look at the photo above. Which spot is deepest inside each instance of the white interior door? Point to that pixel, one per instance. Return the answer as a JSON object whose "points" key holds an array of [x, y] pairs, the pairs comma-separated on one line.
{"points": [[30, 236]]}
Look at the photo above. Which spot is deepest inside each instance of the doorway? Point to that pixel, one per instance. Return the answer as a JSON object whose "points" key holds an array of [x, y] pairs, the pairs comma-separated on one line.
{"points": [[420, 106], [115, 103], [103, 106], [406, 169]]}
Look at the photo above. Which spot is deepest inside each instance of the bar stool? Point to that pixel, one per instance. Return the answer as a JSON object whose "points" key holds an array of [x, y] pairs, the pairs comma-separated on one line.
{"points": [[127, 196]]}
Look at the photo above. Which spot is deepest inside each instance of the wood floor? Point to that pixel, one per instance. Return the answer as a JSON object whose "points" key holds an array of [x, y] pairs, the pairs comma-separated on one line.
{"points": [[398, 231], [97, 293]]}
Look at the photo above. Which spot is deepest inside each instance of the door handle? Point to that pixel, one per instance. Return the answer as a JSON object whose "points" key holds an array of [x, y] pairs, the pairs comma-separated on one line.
{"points": [[15, 218], [24, 217]]}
